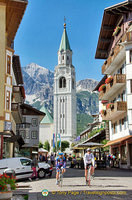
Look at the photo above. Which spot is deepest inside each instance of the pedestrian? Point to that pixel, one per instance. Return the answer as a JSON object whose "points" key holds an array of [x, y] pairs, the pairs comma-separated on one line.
{"points": [[40, 157], [43, 158], [34, 166], [52, 159]]}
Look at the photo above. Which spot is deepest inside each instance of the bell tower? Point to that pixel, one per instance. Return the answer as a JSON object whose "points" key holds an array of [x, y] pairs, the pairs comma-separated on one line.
{"points": [[65, 92]]}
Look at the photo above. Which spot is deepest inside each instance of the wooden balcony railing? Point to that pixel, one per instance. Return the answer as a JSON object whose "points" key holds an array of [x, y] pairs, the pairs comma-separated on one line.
{"points": [[117, 109], [16, 112], [118, 81], [126, 37]]}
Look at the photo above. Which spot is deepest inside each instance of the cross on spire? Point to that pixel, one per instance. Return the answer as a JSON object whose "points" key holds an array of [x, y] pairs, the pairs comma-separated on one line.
{"points": [[64, 22]]}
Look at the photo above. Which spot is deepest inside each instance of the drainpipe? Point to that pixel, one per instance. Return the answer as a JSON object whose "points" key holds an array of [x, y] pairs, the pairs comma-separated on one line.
{"points": [[1, 156]]}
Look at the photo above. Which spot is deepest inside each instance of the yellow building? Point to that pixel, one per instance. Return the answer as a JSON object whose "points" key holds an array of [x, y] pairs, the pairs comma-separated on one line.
{"points": [[11, 14]]}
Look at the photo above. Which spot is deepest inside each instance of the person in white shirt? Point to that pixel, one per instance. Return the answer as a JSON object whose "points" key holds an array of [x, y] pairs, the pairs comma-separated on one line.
{"points": [[89, 161]]}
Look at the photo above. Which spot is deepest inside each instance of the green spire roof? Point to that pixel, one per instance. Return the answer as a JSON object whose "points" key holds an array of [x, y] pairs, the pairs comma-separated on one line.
{"points": [[47, 119], [64, 45]]}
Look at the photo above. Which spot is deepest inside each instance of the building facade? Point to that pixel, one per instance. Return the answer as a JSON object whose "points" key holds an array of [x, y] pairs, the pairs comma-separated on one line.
{"points": [[11, 14], [65, 92], [115, 93], [28, 129], [46, 128]]}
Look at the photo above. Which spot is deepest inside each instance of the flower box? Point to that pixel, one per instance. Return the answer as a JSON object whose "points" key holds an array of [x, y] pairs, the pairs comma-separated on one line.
{"points": [[6, 195], [116, 30], [110, 106], [102, 88], [109, 80]]}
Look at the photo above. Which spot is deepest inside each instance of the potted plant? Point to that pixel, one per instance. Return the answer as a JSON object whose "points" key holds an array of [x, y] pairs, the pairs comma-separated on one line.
{"points": [[7, 184], [109, 80], [110, 106], [116, 30], [102, 88]]}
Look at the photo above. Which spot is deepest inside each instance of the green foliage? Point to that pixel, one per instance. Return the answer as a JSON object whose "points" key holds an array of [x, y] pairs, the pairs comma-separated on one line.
{"points": [[72, 144], [47, 145], [26, 197], [82, 122], [40, 145], [105, 142], [64, 145], [94, 132]]}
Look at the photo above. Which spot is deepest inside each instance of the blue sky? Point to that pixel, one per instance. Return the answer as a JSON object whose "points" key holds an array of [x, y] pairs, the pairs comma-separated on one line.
{"points": [[39, 34]]}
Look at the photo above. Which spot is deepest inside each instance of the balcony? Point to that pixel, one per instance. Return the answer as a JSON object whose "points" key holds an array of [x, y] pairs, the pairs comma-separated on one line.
{"points": [[115, 111], [16, 112], [18, 94], [119, 80], [129, 36], [114, 60]]}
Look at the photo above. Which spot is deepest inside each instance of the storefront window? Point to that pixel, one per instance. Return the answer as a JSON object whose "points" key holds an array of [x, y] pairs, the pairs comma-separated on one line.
{"points": [[123, 154]]}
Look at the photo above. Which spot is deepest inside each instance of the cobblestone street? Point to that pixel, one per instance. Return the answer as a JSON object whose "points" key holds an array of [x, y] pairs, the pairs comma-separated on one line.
{"points": [[109, 183]]}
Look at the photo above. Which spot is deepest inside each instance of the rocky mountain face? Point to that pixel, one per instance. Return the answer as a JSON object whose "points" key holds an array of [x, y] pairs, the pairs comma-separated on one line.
{"points": [[38, 83]]}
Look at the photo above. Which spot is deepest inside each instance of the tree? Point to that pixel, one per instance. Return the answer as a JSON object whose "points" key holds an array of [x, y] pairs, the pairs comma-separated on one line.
{"points": [[47, 145], [64, 145], [40, 145]]}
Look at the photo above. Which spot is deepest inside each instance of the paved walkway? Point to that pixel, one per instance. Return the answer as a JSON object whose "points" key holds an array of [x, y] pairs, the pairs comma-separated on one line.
{"points": [[113, 180]]}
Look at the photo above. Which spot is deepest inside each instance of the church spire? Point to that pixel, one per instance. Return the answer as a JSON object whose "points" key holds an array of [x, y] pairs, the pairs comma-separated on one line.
{"points": [[64, 45]]}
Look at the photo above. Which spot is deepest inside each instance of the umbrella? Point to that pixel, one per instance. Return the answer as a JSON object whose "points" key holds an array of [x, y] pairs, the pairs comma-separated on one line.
{"points": [[42, 150]]}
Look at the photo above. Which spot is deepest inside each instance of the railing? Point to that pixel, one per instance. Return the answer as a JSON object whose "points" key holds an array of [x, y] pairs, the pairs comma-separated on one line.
{"points": [[117, 79], [126, 37], [115, 111], [129, 36]]}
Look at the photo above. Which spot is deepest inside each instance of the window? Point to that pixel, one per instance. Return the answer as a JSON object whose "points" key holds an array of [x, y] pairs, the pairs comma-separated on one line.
{"points": [[67, 57], [9, 64], [63, 131], [27, 134], [123, 154], [62, 57], [25, 162], [60, 115], [130, 86], [124, 95], [73, 84], [23, 134], [120, 125], [63, 115], [34, 122], [7, 100], [130, 56], [62, 82], [114, 128], [34, 134], [60, 131], [125, 123]]}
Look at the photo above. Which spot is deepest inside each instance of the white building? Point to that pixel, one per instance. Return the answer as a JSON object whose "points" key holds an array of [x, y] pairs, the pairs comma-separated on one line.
{"points": [[46, 128], [116, 91], [65, 92]]}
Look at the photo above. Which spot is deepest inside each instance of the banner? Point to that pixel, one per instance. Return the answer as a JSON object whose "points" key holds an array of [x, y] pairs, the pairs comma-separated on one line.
{"points": [[53, 140]]}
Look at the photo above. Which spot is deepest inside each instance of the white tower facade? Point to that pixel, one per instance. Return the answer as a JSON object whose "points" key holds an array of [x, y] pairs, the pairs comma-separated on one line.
{"points": [[65, 92]]}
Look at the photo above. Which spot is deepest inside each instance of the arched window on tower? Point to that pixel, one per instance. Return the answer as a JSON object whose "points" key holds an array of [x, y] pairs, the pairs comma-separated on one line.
{"points": [[73, 84], [62, 82]]}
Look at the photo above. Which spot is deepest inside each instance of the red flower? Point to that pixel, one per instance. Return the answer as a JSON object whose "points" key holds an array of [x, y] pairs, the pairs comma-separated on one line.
{"points": [[109, 79]]}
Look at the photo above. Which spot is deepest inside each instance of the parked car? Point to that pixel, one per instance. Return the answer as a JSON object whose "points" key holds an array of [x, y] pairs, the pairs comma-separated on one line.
{"points": [[22, 167]]}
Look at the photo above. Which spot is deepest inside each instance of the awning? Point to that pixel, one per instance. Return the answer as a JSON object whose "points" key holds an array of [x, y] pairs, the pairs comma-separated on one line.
{"points": [[118, 141], [88, 144], [42, 150]]}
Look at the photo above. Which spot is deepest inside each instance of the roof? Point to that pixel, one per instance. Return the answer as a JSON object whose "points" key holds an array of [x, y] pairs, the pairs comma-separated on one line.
{"points": [[64, 45], [47, 119], [117, 141], [100, 83], [17, 70], [31, 110], [112, 15], [15, 10]]}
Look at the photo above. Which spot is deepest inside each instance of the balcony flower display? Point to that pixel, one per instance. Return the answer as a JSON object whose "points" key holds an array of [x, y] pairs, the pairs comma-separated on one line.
{"points": [[110, 106], [116, 30], [102, 87], [109, 80]]}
